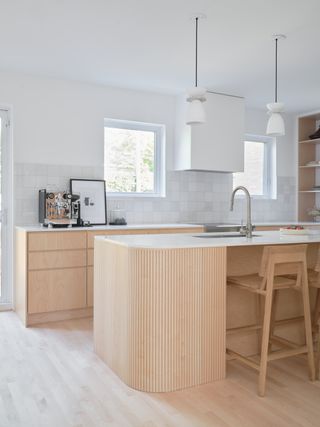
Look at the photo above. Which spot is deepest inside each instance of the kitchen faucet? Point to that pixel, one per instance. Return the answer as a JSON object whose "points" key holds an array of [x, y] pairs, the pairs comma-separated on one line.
{"points": [[248, 230]]}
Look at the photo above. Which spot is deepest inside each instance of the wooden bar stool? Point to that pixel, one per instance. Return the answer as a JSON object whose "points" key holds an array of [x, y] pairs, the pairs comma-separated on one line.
{"points": [[314, 282], [276, 263], [317, 358]]}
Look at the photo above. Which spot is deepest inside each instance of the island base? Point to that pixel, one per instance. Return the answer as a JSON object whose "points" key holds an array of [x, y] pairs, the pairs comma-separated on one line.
{"points": [[159, 314]]}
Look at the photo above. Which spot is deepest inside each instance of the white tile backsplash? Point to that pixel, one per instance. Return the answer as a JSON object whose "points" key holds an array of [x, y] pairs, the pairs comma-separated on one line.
{"points": [[191, 196]]}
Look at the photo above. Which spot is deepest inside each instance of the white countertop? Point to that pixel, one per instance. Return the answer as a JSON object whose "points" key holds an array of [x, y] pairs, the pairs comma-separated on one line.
{"points": [[276, 223], [39, 228], [265, 224], [190, 240]]}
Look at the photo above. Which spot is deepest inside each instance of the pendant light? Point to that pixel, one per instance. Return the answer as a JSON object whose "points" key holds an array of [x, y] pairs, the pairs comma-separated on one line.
{"points": [[197, 95], [275, 126]]}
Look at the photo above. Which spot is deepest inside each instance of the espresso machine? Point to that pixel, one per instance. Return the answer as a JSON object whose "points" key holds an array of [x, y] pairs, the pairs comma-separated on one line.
{"points": [[59, 209]]}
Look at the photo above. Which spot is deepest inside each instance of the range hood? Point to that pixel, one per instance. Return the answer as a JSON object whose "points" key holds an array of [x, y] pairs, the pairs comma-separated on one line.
{"points": [[216, 145]]}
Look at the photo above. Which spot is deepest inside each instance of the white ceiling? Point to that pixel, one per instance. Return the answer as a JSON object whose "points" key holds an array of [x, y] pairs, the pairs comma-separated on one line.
{"points": [[149, 44]]}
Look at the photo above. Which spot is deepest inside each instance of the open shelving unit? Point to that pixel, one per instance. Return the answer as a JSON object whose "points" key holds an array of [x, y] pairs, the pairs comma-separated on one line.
{"points": [[308, 175]]}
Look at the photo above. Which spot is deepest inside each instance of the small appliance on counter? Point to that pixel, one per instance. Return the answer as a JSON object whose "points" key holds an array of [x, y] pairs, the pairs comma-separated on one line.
{"points": [[59, 209], [118, 217]]}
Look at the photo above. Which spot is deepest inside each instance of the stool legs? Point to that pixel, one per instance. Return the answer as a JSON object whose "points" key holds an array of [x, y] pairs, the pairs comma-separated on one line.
{"points": [[316, 314], [273, 316], [317, 358], [265, 342], [307, 323], [316, 326]]}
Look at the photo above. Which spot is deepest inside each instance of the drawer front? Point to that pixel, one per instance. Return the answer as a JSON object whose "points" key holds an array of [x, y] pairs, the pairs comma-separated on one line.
{"points": [[90, 287], [60, 240], [54, 290], [56, 259], [90, 256]]}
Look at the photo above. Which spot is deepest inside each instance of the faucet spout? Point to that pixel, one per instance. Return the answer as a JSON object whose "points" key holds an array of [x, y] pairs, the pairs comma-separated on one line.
{"points": [[248, 197]]}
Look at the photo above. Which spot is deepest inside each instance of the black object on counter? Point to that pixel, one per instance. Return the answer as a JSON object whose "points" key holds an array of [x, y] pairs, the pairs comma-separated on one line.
{"points": [[118, 221]]}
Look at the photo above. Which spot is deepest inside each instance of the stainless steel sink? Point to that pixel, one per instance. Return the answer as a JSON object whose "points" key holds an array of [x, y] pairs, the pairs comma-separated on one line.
{"points": [[220, 227], [220, 236]]}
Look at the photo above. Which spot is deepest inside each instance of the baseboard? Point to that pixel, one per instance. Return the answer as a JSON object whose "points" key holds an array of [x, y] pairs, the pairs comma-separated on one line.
{"points": [[55, 316], [5, 306]]}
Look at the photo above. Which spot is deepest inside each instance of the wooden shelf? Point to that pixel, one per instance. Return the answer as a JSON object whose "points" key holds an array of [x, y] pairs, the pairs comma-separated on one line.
{"points": [[310, 141], [307, 152]]}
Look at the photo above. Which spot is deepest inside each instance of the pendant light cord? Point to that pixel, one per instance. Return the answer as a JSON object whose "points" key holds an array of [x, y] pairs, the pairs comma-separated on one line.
{"points": [[196, 71], [276, 72]]}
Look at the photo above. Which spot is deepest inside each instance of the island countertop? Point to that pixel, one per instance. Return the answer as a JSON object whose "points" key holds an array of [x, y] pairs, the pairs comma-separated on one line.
{"points": [[208, 240]]}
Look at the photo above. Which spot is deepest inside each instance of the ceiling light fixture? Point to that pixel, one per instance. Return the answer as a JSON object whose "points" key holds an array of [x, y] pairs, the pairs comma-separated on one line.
{"points": [[197, 95], [275, 125]]}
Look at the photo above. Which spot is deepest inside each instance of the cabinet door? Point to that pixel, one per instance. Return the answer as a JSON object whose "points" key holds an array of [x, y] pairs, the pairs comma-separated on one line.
{"points": [[54, 290]]}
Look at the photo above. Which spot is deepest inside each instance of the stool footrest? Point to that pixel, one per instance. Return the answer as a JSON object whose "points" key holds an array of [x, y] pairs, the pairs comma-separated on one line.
{"points": [[284, 342], [254, 327], [244, 359], [282, 354]]}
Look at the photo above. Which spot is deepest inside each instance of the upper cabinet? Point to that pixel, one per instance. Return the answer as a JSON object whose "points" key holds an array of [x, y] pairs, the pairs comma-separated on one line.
{"points": [[218, 144]]}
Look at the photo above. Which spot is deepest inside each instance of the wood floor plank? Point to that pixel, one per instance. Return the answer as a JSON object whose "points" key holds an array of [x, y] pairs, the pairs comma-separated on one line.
{"points": [[50, 377]]}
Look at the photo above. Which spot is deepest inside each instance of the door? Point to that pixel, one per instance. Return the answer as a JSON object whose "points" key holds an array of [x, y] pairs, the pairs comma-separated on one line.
{"points": [[6, 238]]}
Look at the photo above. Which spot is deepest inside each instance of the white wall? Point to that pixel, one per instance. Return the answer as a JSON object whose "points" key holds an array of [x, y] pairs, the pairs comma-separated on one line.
{"points": [[58, 133], [61, 122]]}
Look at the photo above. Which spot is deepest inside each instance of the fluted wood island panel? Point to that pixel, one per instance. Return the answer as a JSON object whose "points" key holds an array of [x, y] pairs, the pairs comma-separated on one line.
{"points": [[159, 313]]}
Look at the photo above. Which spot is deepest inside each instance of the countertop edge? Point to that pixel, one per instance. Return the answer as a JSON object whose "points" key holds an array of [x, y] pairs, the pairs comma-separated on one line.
{"points": [[39, 229]]}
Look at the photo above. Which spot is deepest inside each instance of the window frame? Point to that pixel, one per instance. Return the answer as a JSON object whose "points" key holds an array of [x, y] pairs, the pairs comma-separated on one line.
{"points": [[7, 243], [159, 156], [269, 167]]}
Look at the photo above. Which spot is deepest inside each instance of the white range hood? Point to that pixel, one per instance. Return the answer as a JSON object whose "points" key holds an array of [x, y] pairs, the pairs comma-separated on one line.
{"points": [[216, 145]]}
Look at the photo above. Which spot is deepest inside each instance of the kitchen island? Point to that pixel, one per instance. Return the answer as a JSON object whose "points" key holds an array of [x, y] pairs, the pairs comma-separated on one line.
{"points": [[160, 306]]}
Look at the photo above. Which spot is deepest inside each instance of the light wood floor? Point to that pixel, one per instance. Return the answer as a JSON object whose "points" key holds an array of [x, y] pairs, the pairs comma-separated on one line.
{"points": [[50, 377]]}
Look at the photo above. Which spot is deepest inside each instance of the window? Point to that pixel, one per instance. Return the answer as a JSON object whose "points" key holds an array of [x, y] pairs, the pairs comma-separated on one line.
{"points": [[259, 175], [134, 158]]}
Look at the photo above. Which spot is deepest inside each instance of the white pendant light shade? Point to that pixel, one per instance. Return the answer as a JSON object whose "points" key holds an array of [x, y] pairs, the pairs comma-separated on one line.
{"points": [[275, 126], [195, 113]]}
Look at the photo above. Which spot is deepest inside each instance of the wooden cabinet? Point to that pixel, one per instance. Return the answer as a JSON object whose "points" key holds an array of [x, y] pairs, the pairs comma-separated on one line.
{"points": [[55, 290], [54, 272], [217, 144]]}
